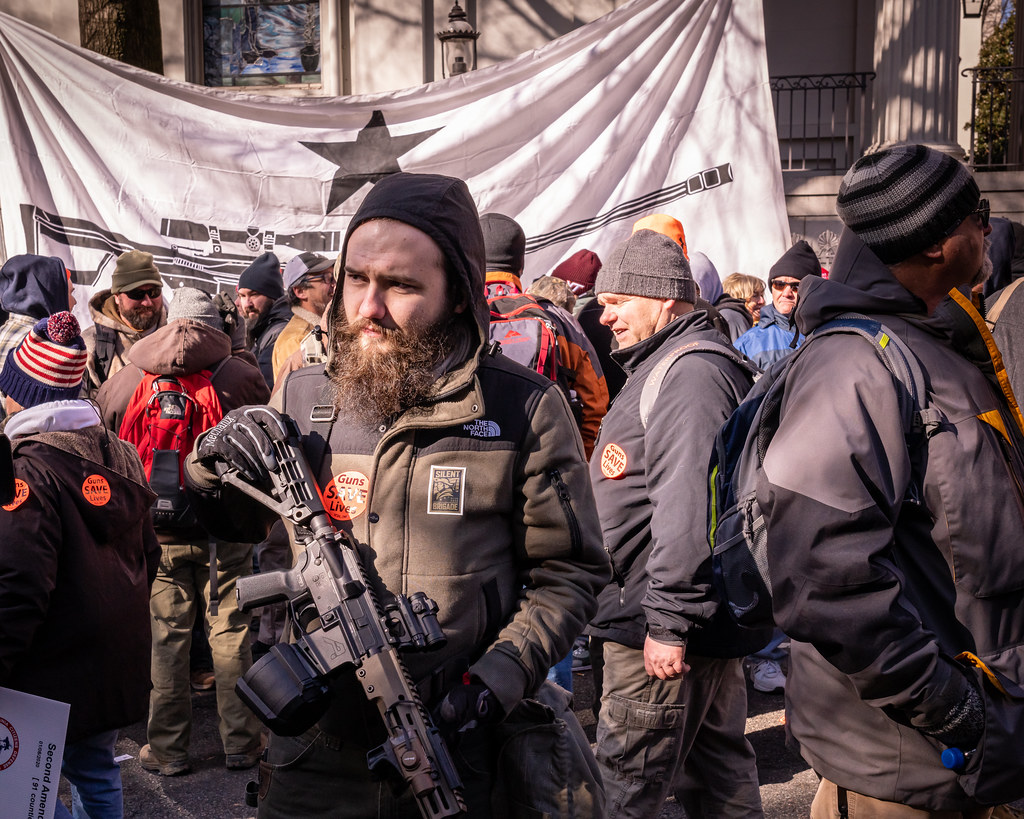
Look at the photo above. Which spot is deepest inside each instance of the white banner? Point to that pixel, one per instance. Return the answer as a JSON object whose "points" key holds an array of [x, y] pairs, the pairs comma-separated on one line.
{"points": [[660, 106]]}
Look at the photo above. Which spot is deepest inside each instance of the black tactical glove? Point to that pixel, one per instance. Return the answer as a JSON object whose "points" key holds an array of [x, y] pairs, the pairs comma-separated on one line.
{"points": [[233, 324], [465, 707], [239, 442]]}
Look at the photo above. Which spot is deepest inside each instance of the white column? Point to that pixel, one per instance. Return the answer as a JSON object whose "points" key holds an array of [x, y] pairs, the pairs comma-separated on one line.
{"points": [[916, 63]]}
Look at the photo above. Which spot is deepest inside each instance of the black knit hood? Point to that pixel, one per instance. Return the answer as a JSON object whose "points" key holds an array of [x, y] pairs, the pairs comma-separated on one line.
{"points": [[440, 206], [35, 286]]}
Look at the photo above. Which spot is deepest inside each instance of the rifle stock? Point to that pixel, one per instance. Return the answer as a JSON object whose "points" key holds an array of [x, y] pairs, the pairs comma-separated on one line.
{"points": [[341, 625]]}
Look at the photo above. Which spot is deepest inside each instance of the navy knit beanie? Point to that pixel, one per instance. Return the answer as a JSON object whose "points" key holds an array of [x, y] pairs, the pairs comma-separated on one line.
{"points": [[263, 276]]}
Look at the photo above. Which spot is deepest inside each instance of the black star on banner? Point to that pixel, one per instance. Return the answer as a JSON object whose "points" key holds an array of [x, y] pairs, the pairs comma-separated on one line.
{"points": [[370, 158]]}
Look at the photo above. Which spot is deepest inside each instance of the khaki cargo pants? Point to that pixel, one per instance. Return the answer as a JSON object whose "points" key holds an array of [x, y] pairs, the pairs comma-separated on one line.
{"points": [[181, 592]]}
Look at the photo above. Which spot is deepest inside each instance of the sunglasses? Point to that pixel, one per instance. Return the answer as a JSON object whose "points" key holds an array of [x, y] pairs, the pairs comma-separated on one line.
{"points": [[982, 212], [140, 293], [780, 286]]}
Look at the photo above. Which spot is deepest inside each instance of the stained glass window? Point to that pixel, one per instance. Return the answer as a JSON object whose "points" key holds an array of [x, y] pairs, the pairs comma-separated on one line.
{"points": [[261, 42]]}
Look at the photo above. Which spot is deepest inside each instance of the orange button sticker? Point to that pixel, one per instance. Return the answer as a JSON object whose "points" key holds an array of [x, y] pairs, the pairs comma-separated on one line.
{"points": [[96, 490], [345, 496], [613, 461], [20, 495]]}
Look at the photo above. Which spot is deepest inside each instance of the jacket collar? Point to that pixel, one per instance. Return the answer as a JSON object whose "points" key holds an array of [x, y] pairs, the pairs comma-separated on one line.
{"points": [[769, 316], [632, 357]]}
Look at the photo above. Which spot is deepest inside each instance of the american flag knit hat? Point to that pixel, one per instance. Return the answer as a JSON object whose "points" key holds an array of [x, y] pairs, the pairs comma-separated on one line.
{"points": [[49, 363]]}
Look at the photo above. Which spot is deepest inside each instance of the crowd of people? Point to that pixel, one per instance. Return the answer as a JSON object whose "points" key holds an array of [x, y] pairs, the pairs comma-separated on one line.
{"points": [[534, 458]]}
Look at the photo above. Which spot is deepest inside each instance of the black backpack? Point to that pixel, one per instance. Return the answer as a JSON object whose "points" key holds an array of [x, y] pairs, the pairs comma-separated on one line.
{"points": [[737, 530]]}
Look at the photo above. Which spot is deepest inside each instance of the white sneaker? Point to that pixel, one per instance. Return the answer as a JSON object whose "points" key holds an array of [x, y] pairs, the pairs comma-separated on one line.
{"points": [[767, 677]]}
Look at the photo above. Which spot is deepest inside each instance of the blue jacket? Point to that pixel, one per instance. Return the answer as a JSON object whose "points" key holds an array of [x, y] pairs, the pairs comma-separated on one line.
{"points": [[770, 340]]}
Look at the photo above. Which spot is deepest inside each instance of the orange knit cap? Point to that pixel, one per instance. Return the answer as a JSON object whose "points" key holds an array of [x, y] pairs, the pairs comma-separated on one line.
{"points": [[665, 225]]}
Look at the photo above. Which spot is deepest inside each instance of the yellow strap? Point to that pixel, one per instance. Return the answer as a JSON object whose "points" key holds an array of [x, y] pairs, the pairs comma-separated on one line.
{"points": [[995, 419], [974, 661], [994, 354]]}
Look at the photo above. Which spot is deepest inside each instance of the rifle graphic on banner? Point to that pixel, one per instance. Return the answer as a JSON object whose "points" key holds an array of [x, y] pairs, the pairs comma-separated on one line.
{"points": [[203, 256]]}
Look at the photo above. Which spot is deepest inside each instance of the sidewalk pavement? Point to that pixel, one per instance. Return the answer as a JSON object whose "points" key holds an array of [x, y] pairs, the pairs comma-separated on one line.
{"points": [[213, 792]]}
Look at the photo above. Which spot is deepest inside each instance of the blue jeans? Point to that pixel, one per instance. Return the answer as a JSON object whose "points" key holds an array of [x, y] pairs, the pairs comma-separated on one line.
{"points": [[95, 779], [561, 673], [772, 651]]}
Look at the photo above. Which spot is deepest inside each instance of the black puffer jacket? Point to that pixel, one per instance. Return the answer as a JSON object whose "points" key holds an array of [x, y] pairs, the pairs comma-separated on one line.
{"points": [[265, 334]]}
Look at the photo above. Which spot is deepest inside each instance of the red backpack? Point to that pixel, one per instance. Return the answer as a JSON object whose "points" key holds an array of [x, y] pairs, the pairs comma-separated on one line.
{"points": [[165, 415], [525, 332]]}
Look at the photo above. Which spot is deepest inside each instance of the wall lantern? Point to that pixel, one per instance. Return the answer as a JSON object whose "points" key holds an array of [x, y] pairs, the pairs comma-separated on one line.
{"points": [[458, 44], [972, 8]]}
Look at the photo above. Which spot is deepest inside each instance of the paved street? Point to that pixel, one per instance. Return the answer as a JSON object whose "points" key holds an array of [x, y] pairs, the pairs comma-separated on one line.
{"points": [[212, 792]]}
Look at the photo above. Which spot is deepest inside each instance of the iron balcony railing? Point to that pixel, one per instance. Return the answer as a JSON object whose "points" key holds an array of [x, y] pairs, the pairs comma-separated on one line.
{"points": [[822, 119], [997, 118]]}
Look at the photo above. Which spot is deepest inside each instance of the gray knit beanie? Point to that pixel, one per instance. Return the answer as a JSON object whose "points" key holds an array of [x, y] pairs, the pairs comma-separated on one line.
{"points": [[904, 199], [647, 264], [190, 303]]}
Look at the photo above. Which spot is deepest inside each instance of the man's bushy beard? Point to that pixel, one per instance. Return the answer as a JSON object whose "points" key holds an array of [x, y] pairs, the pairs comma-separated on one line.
{"points": [[141, 318], [392, 373]]}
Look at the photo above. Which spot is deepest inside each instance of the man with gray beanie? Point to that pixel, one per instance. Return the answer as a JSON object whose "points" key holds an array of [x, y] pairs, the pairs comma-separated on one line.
{"points": [[131, 308], [193, 351], [894, 541], [672, 674]]}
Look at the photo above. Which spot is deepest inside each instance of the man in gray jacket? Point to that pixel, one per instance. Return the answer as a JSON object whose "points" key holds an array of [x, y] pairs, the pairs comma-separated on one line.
{"points": [[672, 674], [895, 549]]}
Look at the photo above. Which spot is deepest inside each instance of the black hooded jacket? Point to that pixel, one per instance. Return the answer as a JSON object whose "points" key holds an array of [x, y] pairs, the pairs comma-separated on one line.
{"points": [[35, 286], [880, 596]]}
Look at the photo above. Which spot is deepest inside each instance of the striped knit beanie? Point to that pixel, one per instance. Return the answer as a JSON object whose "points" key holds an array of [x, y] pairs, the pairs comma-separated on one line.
{"points": [[49, 363], [904, 199]]}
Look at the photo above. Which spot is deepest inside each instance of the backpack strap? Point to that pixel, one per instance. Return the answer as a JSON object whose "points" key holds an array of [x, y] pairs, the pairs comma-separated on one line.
{"points": [[921, 419], [656, 378], [312, 403], [992, 313], [214, 597]]}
